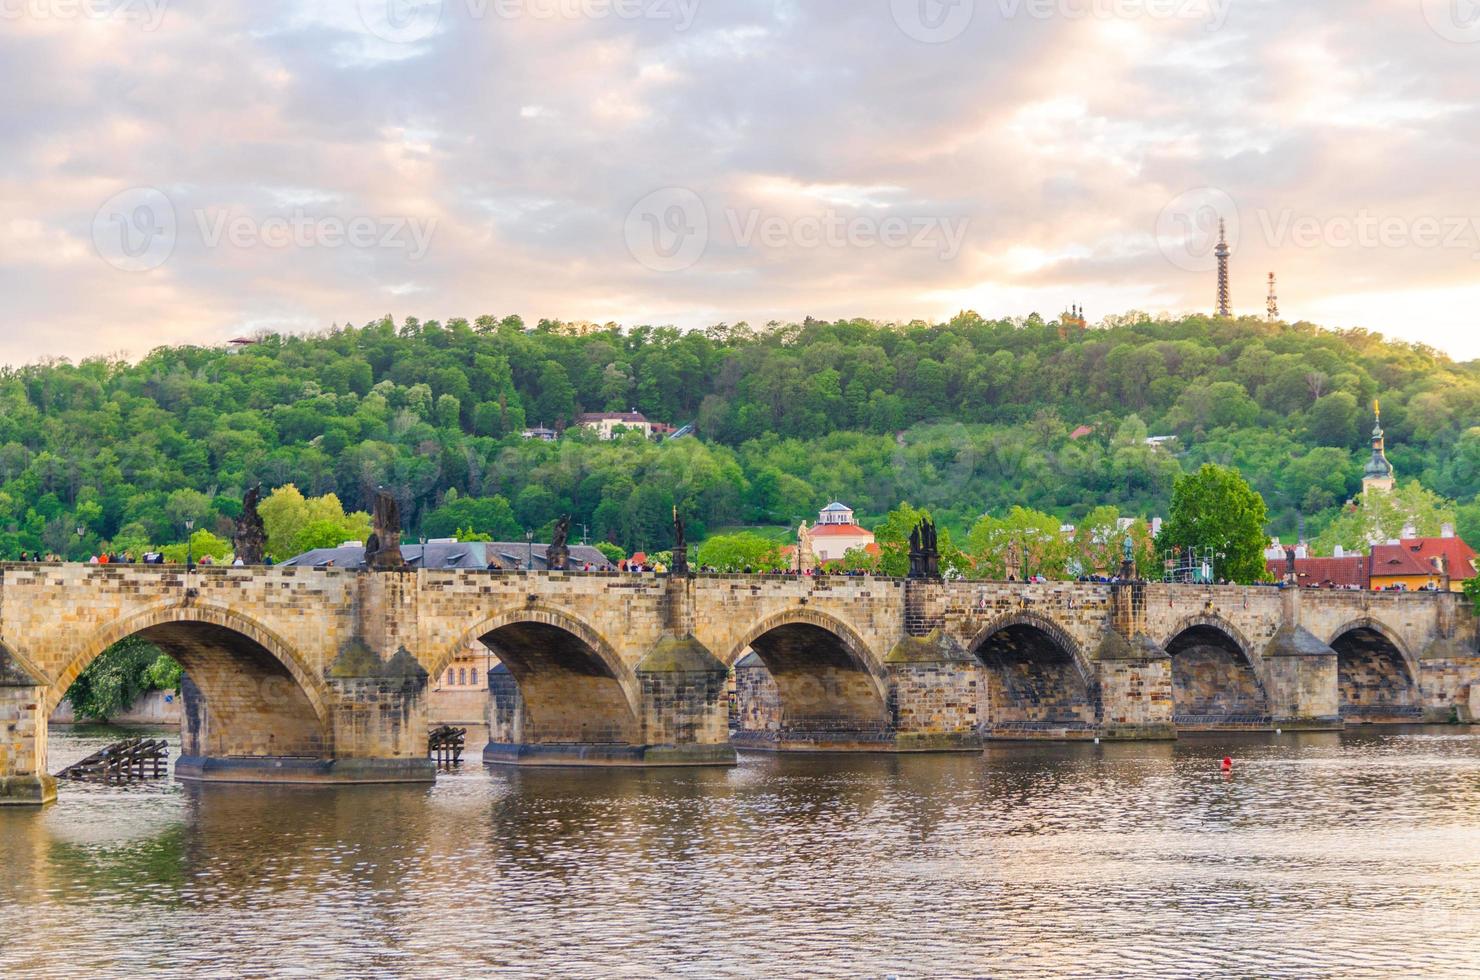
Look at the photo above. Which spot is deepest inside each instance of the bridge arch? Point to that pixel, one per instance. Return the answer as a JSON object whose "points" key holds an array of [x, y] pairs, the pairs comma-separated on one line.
{"points": [[1217, 682], [828, 683], [1038, 678], [1376, 673], [246, 691], [573, 687]]}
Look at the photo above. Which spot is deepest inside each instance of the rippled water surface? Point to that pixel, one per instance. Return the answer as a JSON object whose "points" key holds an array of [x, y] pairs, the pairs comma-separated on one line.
{"points": [[1322, 855]]}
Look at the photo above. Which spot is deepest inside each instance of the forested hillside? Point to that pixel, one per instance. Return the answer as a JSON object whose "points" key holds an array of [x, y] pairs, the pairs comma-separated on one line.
{"points": [[963, 417]]}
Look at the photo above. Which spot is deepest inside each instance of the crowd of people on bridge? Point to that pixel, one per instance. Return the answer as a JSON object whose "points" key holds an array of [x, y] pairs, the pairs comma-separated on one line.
{"points": [[125, 558]]}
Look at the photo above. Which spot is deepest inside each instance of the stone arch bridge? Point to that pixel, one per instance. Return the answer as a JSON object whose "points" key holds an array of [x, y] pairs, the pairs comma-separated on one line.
{"points": [[301, 675]]}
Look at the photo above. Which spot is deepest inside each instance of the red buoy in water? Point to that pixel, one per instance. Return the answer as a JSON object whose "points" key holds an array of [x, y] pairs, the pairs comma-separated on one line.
{"points": [[1228, 763]]}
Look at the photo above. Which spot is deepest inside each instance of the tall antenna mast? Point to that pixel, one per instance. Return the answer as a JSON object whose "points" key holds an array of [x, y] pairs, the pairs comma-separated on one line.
{"points": [[1273, 306], [1225, 302]]}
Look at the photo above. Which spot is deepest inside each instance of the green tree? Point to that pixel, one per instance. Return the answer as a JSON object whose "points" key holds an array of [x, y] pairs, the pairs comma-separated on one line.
{"points": [[737, 552], [1377, 516], [1040, 545], [1215, 509], [118, 677], [1333, 419]]}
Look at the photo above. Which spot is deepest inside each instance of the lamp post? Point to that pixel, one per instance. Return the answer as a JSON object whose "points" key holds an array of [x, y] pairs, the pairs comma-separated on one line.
{"points": [[189, 544], [81, 532], [529, 559]]}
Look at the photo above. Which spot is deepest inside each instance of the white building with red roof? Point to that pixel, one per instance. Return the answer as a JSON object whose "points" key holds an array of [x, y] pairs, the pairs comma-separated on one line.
{"points": [[836, 533]]}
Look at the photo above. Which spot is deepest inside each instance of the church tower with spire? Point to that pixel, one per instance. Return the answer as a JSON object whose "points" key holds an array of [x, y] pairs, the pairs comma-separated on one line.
{"points": [[1378, 476]]}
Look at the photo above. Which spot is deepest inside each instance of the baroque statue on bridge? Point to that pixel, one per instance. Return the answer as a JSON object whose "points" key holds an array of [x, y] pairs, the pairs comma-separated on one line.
{"points": [[557, 555], [251, 537], [680, 547], [924, 551], [383, 550]]}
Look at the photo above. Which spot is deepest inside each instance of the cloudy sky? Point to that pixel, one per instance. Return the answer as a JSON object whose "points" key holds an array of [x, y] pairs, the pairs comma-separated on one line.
{"points": [[180, 171]]}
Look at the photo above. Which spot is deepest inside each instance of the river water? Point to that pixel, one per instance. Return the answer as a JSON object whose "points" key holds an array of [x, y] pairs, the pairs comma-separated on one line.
{"points": [[1321, 855]]}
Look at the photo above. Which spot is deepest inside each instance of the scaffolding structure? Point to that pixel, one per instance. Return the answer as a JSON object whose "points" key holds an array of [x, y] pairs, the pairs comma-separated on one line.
{"points": [[1190, 566]]}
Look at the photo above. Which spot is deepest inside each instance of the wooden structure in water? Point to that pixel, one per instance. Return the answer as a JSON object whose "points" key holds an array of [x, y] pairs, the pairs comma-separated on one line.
{"points": [[123, 762], [446, 744]]}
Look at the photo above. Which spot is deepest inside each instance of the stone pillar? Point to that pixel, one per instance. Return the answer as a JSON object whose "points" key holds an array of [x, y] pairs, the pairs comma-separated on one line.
{"points": [[24, 780], [1128, 608], [757, 701], [376, 730], [935, 694], [1301, 680], [1135, 677], [505, 708], [380, 719], [1449, 682], [685, 713]]}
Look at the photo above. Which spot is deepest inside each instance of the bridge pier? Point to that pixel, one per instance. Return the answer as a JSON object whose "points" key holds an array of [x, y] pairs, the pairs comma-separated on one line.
{"points": [[1302, 682], [1135, 689], [937, 695], [682, 718], [24, 780]]}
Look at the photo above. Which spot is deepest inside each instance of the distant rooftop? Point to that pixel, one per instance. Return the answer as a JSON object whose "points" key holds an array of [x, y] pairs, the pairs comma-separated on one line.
{"points": [[507, 555]]}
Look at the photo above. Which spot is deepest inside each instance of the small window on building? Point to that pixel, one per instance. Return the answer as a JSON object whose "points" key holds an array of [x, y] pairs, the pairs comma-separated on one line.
{"points": [[450, 677], [462, 676], [473, 677]]}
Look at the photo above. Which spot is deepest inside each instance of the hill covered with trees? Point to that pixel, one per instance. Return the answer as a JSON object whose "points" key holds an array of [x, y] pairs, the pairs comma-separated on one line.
{"points": [[963, 418]]}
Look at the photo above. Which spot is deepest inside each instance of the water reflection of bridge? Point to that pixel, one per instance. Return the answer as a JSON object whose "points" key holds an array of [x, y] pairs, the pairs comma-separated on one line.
{"points": [[307, 675]]}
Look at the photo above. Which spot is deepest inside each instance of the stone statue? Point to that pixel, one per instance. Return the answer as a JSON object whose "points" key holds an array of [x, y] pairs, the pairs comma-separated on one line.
{"points": [[383, 550], [924, 551], [1292, 576], [557, 555], [1014, 562], [680, 546], [251, 536], [1128, 560]]}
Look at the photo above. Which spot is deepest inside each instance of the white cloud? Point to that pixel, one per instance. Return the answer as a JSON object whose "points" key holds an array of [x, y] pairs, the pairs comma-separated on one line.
{"points": [[524, 142]]}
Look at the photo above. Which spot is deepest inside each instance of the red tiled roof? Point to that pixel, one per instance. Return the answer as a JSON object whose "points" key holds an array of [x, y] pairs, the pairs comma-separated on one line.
{"points": [[1082, 431], [1325, 573], [1396, 559], [834, 530], [1459, 558]]}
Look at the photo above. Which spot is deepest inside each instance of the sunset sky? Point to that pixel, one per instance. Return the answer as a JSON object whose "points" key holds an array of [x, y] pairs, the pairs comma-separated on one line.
{"points": [[179, 172]]}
